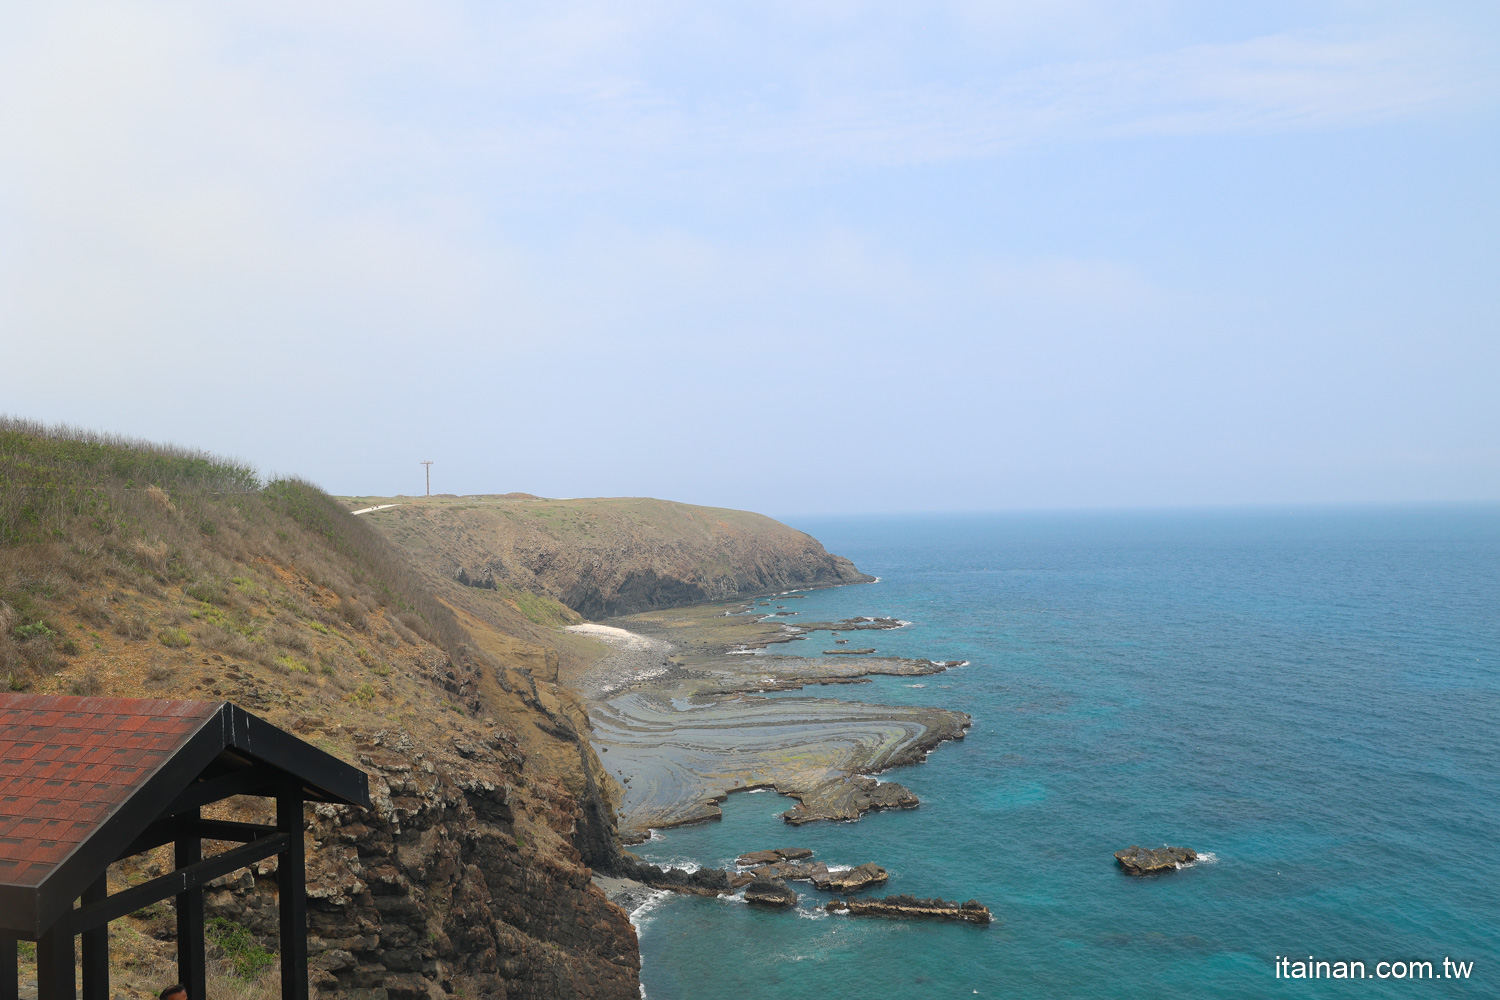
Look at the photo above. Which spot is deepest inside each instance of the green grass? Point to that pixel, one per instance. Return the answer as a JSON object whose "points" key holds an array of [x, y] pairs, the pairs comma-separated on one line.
{"points": [[246, 956], [174, 638], [36, 630]]}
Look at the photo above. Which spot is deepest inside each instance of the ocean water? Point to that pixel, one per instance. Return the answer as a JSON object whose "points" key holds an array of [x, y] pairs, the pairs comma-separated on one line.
{"points": [[1310, 696]]}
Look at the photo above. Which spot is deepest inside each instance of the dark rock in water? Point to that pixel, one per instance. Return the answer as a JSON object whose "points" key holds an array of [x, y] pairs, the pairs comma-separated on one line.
{"points": [[854, 879], [774, 855], [846, 652], [1142, 861], [770, 892], [911, 906], [703, 882]]}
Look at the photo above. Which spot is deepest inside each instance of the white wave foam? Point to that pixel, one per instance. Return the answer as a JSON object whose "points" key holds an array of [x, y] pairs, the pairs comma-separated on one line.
{"points": [[655, 835], [1204, 858], [914, 685], [815, 914], [641, 915]]}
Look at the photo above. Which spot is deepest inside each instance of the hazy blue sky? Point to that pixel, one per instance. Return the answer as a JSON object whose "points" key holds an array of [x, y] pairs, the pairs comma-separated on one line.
{"points": [[798, 257]]}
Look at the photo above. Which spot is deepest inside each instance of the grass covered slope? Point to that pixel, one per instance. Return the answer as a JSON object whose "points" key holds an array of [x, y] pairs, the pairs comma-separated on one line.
{"points": [[118, 555], [132, 569], [607, 556]]}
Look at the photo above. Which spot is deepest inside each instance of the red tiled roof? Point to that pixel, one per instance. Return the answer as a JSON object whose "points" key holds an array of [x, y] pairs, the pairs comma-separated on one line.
{"points": [[66, 764]]}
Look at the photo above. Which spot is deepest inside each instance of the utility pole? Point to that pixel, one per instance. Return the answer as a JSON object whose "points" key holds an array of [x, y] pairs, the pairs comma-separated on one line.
{"points": [[428, 463]]}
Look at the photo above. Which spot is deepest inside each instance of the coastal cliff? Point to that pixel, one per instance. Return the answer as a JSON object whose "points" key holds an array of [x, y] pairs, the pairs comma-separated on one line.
{"points": [[130, 569], [607, 557]]}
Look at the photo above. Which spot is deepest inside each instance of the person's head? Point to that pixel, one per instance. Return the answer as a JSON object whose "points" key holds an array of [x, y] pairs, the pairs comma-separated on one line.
{"points": [[176, 991]]}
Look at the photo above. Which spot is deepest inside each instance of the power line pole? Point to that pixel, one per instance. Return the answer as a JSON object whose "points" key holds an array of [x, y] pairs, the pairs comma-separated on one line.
{"points": [[428, 463]]}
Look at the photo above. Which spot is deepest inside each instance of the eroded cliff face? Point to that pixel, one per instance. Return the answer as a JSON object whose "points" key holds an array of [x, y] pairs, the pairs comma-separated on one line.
{"points": [[606, 557], [444, 887]]}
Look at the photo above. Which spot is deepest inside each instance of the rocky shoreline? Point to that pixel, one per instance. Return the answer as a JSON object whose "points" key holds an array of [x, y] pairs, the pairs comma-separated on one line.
{"points": [[674, 677], [679, 716]]}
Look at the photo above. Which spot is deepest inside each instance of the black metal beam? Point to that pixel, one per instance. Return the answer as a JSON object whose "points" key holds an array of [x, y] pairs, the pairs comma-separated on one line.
{"points": [[54, 966], [322, 776], [163, 831], [95, 942], [291, 887], [192, 970], [168, 830], [10, 968], [223, 829], [129, 900], [250, 781]]}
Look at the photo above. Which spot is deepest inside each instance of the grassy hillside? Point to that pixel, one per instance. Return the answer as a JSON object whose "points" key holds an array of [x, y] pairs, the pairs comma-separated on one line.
{"points": [[605, 556], [117, 555], [135, 569]]}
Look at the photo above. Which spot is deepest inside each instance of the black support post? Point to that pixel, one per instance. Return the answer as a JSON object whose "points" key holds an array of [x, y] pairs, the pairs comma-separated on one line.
{"points": [[54, 967], [292, 888], [191, 972], [10, 968], [95, 943]]}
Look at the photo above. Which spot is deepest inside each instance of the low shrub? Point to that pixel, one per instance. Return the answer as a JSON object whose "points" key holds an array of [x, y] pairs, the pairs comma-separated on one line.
{"points": [[36, 630], [245, 955], [293, 664], [174, 638], [132, 627], [87, 684]]}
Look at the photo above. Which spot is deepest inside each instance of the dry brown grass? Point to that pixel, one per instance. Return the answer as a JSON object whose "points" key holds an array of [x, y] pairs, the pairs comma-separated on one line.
{"points": [[149, 541], [141, 967]]}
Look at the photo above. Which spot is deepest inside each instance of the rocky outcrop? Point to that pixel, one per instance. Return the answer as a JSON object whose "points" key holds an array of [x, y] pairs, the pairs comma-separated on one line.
{"points": [[774, 855], [770, 892], [792, 871], [1145, 861], [433, 891], [853, 880], [912, 907], [849, 798], [703, 882]]}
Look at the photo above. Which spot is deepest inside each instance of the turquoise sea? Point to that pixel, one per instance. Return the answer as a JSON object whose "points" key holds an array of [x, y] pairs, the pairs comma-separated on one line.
{"points": [[1310, 696]]}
